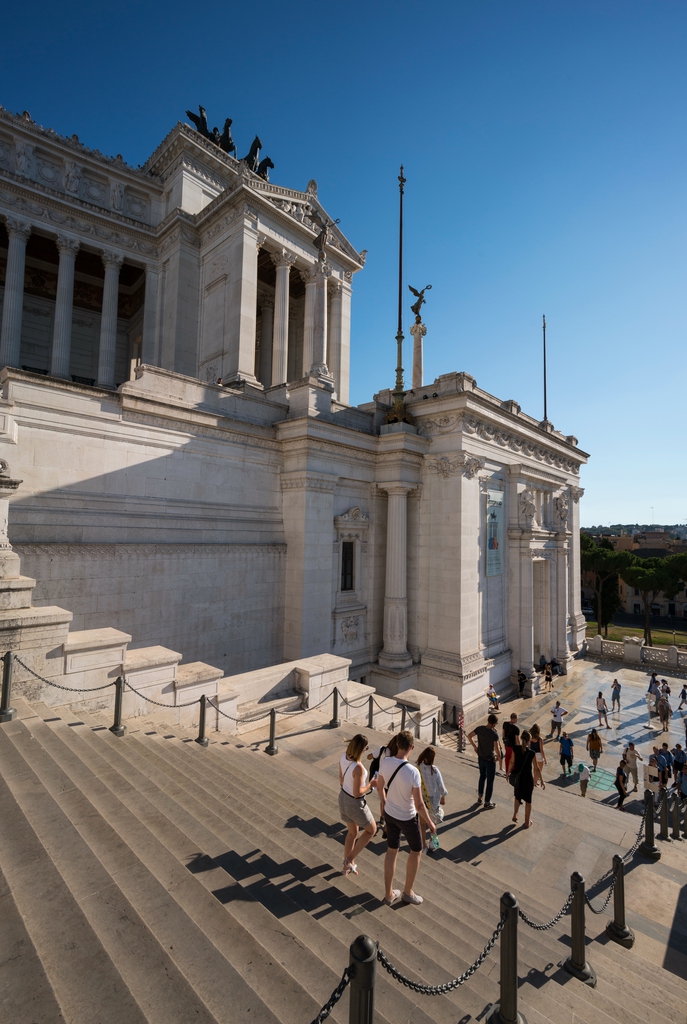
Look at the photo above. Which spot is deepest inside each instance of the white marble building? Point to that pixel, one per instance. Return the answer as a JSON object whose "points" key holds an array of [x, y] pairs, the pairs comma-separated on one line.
{"points": [[263, 519]]}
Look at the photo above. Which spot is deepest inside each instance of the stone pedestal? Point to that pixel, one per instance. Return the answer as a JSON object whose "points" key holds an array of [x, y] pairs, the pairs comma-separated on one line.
{"points": [[418, 331], [424, 708]]}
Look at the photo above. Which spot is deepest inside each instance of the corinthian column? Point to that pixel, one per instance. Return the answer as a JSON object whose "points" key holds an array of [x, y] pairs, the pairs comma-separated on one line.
{"points": [[319, 360], [108, 320], [334, 339], [395, 652], [64, 300], [309, 277], [13, 303], [283, 261], [418, 331], [267, 317]]}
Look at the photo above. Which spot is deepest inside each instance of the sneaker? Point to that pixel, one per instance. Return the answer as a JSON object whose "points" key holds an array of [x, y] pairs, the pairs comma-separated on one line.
{"points": [[479, 799], [412, 898], [395, 893], [488, 807]]}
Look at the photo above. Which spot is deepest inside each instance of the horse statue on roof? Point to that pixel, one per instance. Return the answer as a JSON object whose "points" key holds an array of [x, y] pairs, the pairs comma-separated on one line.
{"points": [[253, 158]]}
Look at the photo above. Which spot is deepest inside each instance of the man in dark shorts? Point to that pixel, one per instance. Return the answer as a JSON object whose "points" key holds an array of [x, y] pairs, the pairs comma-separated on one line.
{"points": [[511, 732], [488, 750], [400, 796]]}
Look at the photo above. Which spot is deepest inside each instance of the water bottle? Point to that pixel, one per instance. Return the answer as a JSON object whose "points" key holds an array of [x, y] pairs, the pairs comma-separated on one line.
{"points": [[434, 843]]}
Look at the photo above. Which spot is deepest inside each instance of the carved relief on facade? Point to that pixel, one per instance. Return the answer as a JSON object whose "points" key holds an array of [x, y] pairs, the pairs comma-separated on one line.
{"points": [[445, 466], [527, 506], [561, 509], [439, 424], [22, 158], [576, 493], [349, 629], [72, 178]]}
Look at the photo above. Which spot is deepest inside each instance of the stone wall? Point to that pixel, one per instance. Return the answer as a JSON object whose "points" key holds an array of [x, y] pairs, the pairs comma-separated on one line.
{"points": [[221, 604]]}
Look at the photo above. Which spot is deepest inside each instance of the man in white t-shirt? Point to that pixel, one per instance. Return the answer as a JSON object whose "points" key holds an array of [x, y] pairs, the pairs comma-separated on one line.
{"points": [[401, 800], [557, 719]]}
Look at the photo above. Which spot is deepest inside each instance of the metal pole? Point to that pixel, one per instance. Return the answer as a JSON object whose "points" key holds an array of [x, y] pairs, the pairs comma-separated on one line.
{"points": [[676, 819], [6, 712], [576, 964], [335, 723], [617, 928], [272, 747], [201, 738], [506, 1010], [435, 729], [117, 728], [663, 818], [403, 717], [361, 1009], [370, 712], [455, 717], [544, 330], [648, 848]]}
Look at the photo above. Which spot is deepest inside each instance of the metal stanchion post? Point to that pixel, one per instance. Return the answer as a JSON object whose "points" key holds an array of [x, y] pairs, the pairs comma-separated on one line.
{"points": [[577, 964], [435, 726], [370, 712], [361, 1009], [335, 723], [617, 929], [455, 717], [676, 819], [403, 717], [117, 728], [648, 847], [6, 712], [663, 818], [272, 747], [201, 738], [505, 1011]]}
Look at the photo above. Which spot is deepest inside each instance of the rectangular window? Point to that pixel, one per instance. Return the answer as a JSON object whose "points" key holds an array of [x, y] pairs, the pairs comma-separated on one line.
{"points": [[636, 591], [347, 565]]}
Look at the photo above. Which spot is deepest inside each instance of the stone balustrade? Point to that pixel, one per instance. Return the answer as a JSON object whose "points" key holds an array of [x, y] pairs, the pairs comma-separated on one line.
{"points": [[634, 651]]}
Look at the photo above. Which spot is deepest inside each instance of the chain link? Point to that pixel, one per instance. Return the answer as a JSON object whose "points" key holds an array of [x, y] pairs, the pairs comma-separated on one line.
{"points": [[554, 920], [51, 682], [438, 990], [158, 704], [334, 997]]}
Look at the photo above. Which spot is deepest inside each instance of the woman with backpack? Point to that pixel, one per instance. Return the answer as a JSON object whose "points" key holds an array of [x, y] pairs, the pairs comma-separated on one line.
{"points": [[355, 813], [434, 791]]}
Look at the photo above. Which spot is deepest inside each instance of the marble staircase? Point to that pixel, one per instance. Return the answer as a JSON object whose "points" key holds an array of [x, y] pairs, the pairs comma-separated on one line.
{"points": [[145, 879]]}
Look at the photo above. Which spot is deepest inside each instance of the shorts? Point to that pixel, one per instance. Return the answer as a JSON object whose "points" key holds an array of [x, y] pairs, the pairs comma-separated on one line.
{"points": [[410, 829], [539, 757], [566, 760], [354, 810]]}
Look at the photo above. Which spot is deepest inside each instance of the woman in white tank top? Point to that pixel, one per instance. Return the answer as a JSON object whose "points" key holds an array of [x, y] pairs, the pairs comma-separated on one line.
{"points": [[353, 808]]}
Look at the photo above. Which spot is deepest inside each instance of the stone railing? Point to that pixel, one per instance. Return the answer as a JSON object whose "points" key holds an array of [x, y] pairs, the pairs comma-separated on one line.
{"points": [[633, 651]]}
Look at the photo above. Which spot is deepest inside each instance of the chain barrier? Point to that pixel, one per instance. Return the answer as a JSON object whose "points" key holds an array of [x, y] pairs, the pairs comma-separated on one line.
{"points": [[334, 997], [554, 920], [70, 689], [448, 986], [158, 703], [352, 704]]}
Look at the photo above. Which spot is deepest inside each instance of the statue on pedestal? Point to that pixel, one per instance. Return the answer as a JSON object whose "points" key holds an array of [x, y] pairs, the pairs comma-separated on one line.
{"points": [[417, 306]]}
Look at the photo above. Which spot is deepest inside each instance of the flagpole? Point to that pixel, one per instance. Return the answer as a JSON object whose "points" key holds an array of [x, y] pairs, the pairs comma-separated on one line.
{"points": [[399, 332], [546, 418]]}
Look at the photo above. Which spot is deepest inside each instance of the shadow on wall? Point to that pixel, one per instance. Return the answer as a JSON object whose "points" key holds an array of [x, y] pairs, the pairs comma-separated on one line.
{"points": [[184, 549], [675, 959]]}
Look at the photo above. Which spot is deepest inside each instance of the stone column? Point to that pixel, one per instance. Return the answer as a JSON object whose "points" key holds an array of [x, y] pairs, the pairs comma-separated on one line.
{"points": [[319, 361], [283, 261], [418, 331], [64, 300], [395, 653], [108, 320], [309, 277], [343, 380], [149, 353], [334, 340], [527, 615], [13, 303], [562, 614], [266, 333]]}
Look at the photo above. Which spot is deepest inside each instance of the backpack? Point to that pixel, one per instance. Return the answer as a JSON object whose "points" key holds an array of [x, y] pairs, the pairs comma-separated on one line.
{"points": [[376, 761]]}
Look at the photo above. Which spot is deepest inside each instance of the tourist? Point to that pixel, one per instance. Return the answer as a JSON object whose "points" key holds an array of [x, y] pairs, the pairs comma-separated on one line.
{"points": [[631, 756], [402, 807], [653, 682], [621, 785], [667, 757], [595, 747], [557, 719], [615, 695], [555, 667], [548, 677], [522, 682], [566, 747], [683, 696], [585, 776], [655, 691], [602, 708], [434, 792], [493, 698], [652, 778], [510, 734], [488, 750], [683, 784], [376, 757], [665, 689], [679, 761], [665, 713], [353, 808], [537, 745], [522, 778]]}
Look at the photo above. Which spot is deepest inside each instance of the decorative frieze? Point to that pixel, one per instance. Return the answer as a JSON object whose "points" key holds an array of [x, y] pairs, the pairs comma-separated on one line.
{"points": [[445, 466]]}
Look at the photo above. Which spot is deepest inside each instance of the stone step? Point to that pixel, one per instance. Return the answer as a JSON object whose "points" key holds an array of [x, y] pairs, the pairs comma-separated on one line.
{"points": [[255, 712], [438, 952], [173, 905]]}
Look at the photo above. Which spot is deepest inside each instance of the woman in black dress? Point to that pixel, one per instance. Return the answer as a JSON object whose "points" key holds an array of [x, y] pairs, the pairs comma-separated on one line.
{"points": [[524, 772]]}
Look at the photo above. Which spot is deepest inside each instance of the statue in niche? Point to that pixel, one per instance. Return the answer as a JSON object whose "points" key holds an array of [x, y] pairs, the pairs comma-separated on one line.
{"points": [[252, 159], [117, 197], [528, 506], [417, 306], [73, 179], [263, 167], [21, 159]]}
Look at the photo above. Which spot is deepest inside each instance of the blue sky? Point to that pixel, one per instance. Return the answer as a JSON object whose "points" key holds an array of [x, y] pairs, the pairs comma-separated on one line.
{"points": [[546, 155]]}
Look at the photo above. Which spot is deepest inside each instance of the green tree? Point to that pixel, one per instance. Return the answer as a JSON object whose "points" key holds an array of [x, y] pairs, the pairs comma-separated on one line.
{"points": [[652, 576], [604, 566]]}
